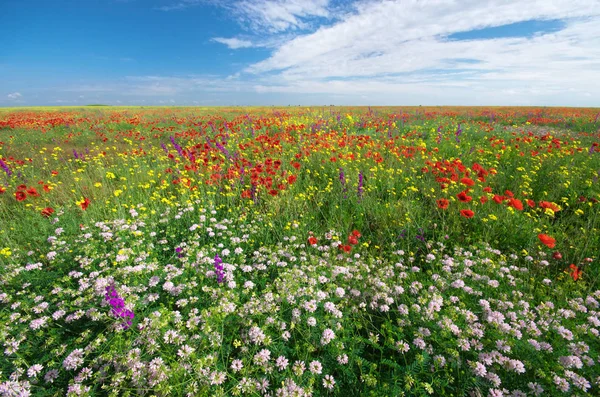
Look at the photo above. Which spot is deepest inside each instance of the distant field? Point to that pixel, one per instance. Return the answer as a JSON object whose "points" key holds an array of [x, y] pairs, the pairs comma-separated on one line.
{"points": [[294, 251]]}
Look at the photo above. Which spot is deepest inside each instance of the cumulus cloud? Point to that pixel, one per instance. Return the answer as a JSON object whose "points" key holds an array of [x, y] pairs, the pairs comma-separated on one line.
{"points": [[14, 95], [387, 46]]}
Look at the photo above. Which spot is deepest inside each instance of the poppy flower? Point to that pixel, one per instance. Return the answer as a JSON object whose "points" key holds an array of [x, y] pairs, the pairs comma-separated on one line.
{"points": [[547, 204], [345, 248], [575, 272], [85, 203], [32, 192], [442, 203], [312, 240], [273, 192], [46, 212], [2, 189], [467, 181], [352, 240], [291, 179], [498, 199], [22, 187], [20, 195], [247, 194], [464, 197], [547, 240], [531, 203], [483, 199], [296, 165], [557, 255], [487, 189], [516, 204], [356, 233], [467, 213]]}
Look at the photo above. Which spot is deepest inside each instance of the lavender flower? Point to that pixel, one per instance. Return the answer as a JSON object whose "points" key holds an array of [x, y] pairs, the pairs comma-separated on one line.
{"points": [[343, 182], [176, 146], [118, 306], [360, 184], [5, 167], [219, 269]]}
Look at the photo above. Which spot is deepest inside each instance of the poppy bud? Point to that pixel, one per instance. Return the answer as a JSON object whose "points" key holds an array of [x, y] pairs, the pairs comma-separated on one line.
{"points": [[557, 255]]}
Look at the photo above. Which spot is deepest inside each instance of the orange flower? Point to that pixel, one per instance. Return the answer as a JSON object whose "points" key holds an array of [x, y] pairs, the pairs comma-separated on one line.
{"points": [[575, 272], [85, 203], [312, 240], [46, 212], [547, 240]]}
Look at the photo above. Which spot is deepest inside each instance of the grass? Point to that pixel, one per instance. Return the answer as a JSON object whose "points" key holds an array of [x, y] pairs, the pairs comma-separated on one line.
{"points": [[339, 255]]}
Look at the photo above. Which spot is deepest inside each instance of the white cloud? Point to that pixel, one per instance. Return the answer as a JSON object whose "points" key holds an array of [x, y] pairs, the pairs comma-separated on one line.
{"points": [[265, 16], [233, 43], [280, 15], [14, 95], [400, 47]]}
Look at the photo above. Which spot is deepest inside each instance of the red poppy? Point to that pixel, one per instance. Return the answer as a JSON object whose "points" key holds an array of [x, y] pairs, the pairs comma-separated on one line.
{"points": [[32, 192], [498, 199], [2, 189], [464, 197], [531, 203], [443, 203], [547, 204], [557, 255], [467, 181], [487, 189], [356, 233], [547, 240], [516, 204], [352, 240], [312, 240], [509, 193], [85, 204], [247, 194], [575, 272], [296, 165], [20, 195], [22, 187], [47, 188], [483, 199], [46, 212], [54, 173], [273, 192], [346, 248], [291, 179], [467, 213]]}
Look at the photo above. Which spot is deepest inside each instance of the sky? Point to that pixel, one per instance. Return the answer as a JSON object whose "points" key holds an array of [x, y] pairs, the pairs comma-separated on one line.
{"points": [[300, 52]]}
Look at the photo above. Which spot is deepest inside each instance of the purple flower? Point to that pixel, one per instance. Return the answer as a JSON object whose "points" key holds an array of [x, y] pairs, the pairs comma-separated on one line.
{"points": [[219, 269], [176, 146], [343, 182], [360, 184], [118, 306], [5, 167]]}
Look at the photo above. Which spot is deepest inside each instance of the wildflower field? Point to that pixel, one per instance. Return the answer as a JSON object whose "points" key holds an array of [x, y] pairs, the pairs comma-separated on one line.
{"points": [[299, 251]]}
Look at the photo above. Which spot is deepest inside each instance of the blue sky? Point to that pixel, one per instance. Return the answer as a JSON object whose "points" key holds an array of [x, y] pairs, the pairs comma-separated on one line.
{"points": [[299, 52]]}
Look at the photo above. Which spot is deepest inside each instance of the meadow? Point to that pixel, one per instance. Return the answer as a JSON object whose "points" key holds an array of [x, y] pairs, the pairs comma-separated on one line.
{"points": [[298, 251]]}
